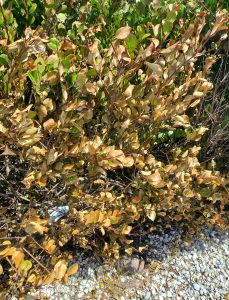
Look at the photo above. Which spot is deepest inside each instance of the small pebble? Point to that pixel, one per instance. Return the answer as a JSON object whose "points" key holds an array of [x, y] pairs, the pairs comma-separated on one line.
{"points": [[199, 271]]}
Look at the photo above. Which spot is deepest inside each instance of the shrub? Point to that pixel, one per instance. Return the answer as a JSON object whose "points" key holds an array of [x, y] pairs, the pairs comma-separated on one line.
{"points": [[213, 113], [104, 125]]}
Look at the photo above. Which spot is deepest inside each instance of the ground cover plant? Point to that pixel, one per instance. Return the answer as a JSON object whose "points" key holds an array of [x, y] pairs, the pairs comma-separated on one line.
{"points": [[98, 111]]}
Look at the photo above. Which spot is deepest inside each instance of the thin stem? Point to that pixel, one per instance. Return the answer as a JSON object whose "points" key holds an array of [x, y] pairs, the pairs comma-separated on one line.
{"points": [[37, 261], [5, 24]]}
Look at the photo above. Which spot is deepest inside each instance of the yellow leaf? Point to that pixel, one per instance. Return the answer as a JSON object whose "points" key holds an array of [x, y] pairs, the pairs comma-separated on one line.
{"points": [[49, 125], [49, 246], [73, 269], [33, 279], [152, 215], [42, 112], [52, 156], [60, 269], [197, 134], [38, 151], [129, 250], [48, 103], [146, 173], [69, 166], [107, 223], [6, 243], [182, 121], [28, 180], [41, 181], [122, 33], [49, 279], [75, 231], [31, 130], [38, 227], [102, 230], [3, 129], [153, 265], [8, 252], [92, 217], [198, 94], [141, 249], [17, 257], [1, 270], [126, 229]]}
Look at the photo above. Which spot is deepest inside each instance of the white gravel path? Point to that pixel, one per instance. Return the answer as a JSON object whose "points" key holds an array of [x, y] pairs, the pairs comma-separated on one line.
{"points": [[178, 271]]}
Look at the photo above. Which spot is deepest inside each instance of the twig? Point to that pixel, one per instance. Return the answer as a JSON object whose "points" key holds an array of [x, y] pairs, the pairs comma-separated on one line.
{"points": [[12, 237], [37, 261]]}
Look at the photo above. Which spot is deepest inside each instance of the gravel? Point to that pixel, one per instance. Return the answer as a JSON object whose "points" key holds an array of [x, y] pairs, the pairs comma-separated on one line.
{"points": [[175, 269]]}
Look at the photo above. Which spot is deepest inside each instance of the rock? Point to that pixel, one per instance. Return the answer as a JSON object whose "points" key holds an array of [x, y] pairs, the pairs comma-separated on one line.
{"points": [[196, 286], [148, 296], [169, 294], [130, 265], [196, 273]]}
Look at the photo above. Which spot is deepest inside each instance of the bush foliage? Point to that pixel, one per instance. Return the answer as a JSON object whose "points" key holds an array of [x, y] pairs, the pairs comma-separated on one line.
{"points": [[97, 110]]}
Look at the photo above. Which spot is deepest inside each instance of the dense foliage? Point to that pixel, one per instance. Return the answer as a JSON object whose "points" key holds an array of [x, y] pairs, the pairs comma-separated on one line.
{"points": [[98, 109]]}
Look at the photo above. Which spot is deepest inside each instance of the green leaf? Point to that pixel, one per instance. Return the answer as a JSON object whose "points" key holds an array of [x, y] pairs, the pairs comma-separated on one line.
{"points": [[74, 130], [34, 76], [73, 77], [4, 60], [40, 63], [131, 42], [225, 122], [145, 36], [53, 44], [32, 8], [91, 73], [168, 24], [70, 178], [205, 192], [1, 19], [113, 219], [25, 266], [61, 17]]}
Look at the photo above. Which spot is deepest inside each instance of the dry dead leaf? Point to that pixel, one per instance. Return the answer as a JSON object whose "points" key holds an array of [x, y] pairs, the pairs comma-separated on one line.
{"points": [[122, 33], [155, 68], [8, 151], [52, 77], [155, 180]]}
